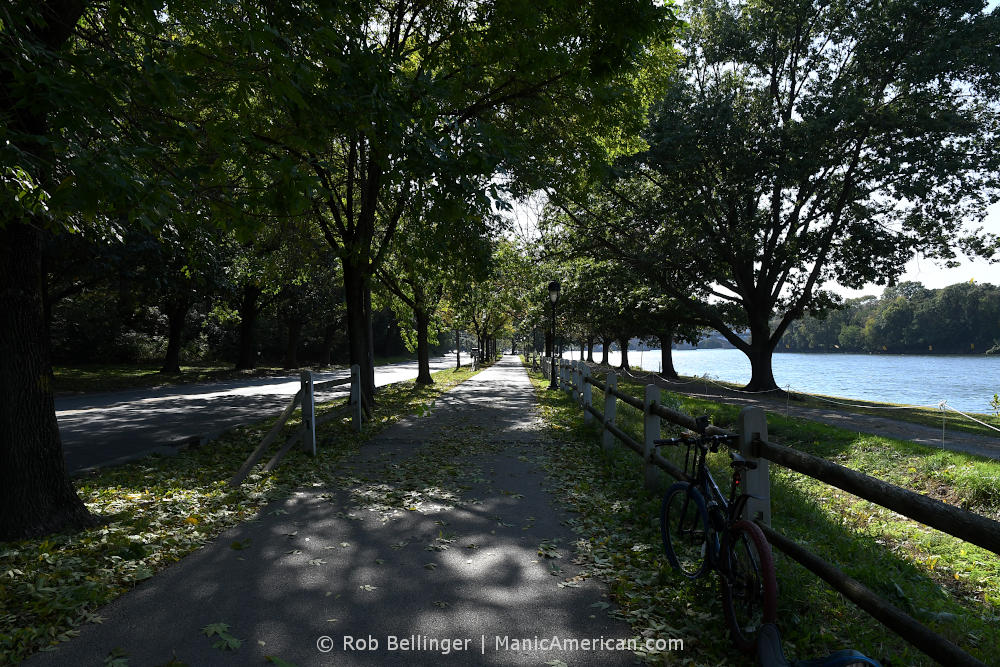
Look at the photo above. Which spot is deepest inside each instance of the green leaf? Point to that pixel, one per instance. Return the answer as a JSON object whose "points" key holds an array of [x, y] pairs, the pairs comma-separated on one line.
{"points": [[227, 643], [116, 658], [215, 629], [275, 660]]}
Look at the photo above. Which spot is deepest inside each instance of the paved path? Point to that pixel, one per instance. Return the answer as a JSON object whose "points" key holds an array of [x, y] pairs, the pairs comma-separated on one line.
{"points": [[111, 428], [885, 426], [458, 558]]}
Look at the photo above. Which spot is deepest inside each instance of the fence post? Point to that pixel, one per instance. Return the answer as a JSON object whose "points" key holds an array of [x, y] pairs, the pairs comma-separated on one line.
{"points": [[578, 381], [356, 396], [610, 409], [653, 476], [753, 423], [586, 398], [308, 414]]}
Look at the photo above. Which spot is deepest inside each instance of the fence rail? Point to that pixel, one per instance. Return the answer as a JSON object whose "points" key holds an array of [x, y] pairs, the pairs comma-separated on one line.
{"points": [[575, 378], [306, 433]]}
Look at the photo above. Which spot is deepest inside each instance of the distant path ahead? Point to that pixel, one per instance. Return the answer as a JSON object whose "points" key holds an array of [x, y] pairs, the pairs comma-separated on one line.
{"points": [[111, 428], [958, 441]]}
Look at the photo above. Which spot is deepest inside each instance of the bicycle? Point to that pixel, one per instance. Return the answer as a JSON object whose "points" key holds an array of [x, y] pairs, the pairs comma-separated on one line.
{"points": [[699, 535]]}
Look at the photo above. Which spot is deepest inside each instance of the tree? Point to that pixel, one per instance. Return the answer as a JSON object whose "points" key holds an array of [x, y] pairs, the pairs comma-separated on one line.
{"points": [[808, 141], [491, 306], [427, 255], [331, 111], [36, 495], [625, 293], [353, 106], [82, 86]]}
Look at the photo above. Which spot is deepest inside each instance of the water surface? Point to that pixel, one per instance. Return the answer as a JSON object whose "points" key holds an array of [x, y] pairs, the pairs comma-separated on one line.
{"points": [[966, 382]]}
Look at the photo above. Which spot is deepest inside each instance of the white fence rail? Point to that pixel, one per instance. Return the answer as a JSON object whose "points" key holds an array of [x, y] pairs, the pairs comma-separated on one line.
{"points": [[306, 433]]}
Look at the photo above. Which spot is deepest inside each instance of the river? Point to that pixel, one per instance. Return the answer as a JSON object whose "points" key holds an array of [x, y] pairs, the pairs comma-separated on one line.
{"points": [[966, 382]]}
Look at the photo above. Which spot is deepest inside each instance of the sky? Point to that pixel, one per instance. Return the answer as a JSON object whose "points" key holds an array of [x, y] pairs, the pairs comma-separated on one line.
{"points": [[935, 276]]}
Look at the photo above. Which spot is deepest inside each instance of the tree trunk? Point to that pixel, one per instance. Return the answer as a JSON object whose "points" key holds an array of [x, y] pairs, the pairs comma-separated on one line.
{"points": [[458, 350], [357, 294], [292, 347], [177, 310], [624, 347], [666, 356], [761, 349], [423, 346], [604, 351], [249, 310], [36, 495], [590, 349]]}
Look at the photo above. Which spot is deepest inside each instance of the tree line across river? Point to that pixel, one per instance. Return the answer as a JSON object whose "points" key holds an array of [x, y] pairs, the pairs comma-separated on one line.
{"points": [[907, 318]]}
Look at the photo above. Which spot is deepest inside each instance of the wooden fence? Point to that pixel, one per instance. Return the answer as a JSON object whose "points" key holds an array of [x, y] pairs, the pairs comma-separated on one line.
{"points": [[575, 378], [306, 433]]}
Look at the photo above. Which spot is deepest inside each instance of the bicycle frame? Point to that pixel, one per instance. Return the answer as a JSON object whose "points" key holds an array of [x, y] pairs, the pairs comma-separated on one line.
{"points": [[722, 511], [719, 538]]}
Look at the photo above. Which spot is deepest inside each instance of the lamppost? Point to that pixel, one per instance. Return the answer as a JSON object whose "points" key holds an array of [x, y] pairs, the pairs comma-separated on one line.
{"points": [[553, 297]]}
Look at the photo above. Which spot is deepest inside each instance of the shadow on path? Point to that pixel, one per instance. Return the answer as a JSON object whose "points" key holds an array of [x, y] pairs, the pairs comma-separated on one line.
{"points": [[434, 533]]}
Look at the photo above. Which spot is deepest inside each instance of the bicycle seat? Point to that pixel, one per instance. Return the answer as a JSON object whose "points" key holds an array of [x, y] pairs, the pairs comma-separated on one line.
{"points": [[739, 461], [770, 653]]}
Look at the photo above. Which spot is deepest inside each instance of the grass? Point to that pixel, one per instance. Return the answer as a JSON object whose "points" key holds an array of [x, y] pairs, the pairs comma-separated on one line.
{"points": [[396, 359], [951, 586], [156, 511], [91, 378], [912, 414]]}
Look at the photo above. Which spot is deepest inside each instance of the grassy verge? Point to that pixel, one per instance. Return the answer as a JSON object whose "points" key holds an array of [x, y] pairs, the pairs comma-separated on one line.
{"points": [[915, 415], [949, 585], [160, 509], [91, 378], [116, 377], [399, 358]]}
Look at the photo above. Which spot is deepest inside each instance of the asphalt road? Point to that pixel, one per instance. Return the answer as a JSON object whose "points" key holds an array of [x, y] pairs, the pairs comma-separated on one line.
{"points": [[111, 428]]}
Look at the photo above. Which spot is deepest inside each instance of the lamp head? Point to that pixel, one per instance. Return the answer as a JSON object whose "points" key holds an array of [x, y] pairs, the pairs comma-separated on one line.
{"points": [[554, 291]]}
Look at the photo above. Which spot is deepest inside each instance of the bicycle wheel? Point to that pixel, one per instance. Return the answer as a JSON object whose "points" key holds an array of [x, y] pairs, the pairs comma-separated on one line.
{"points": [[749, 587], [685, 529]]}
